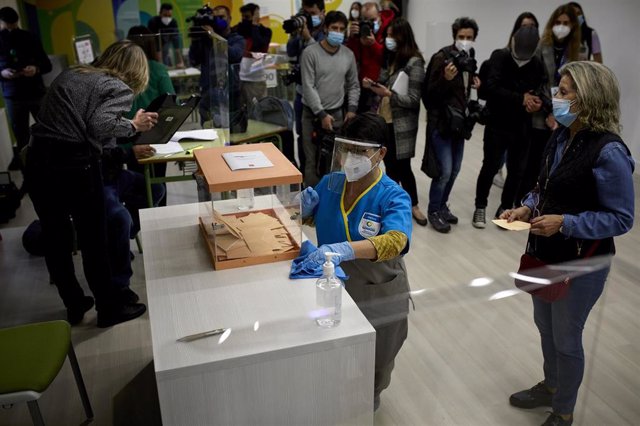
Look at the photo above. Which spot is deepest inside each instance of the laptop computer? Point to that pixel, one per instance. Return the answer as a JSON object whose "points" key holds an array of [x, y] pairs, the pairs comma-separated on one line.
{"points": [[170, 118]]}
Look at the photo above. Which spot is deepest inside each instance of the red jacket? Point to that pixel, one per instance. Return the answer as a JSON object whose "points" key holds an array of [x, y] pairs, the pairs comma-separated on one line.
{"points": [[369, 58]]}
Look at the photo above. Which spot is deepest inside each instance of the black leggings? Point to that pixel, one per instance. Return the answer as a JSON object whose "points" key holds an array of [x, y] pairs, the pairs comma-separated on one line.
{"points": [[400, 170], [63, 185]]}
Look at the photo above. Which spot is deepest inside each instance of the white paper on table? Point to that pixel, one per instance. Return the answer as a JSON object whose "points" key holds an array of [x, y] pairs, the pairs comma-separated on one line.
{"points": [[401, 85], [199, 134], [186, 71], [167, 148], [247, 160]]}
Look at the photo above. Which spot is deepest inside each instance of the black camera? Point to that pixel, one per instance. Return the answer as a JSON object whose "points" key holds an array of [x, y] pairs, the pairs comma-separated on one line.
{"points": [[478, 113], [297, 22], [294, 76], [366, 27], [463, 62], [204, 16]]}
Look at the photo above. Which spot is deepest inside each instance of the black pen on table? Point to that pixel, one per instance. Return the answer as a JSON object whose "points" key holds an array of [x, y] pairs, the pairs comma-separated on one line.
{"points": [[197, 336]]}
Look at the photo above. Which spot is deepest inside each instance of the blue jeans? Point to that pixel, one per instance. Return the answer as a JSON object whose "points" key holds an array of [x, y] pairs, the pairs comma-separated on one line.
{"points": [[123, 221], [18, 110], [560, 324], [449, 155], [119, 227]]}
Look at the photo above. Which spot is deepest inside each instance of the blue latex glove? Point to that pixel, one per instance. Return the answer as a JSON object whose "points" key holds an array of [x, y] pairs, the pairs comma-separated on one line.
{"points": [[309, 200], [317, 258]]}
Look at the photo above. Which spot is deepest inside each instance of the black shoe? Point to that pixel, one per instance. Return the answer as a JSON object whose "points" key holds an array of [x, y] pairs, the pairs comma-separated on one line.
{"points": [[128, 296], [75, 314], [499, 212], [123, 313], [448, 216], [438, 223], [557, 420], [537, 396], [420, 221]]}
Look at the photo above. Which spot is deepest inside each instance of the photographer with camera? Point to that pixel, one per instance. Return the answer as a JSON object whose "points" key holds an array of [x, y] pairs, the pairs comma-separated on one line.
{"points": [[449, 79], [515, 90], [366, 40], [206, 22], [302, 33], [22, 62], [329, 77], [253, 82]]}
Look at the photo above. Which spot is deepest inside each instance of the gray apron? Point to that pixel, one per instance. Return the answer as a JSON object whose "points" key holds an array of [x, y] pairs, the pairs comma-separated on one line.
{"points": [[381, 291]]}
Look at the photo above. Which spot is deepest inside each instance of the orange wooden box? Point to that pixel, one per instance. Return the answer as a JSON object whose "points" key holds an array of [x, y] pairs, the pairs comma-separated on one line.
{"points": [[220, 178]]}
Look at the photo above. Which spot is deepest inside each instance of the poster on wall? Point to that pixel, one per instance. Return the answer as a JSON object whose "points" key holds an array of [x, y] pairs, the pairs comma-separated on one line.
{"points": [[84, 50]]}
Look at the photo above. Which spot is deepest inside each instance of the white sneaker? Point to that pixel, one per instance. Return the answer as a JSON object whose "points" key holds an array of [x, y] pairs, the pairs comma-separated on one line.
{"points": [[479, 219]]}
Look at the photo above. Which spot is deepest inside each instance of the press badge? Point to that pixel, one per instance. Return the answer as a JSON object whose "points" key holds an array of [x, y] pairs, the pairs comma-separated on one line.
{"points": [[369, 225]]}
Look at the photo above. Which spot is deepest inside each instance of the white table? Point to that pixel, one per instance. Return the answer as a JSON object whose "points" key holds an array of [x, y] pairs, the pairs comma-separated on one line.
{"points": [[276, 367]]}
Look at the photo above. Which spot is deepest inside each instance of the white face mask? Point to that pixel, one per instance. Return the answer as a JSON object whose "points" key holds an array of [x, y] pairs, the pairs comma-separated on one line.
{"points": [[465, 45], [355, 14], [561, 31], [356, 166], [166, 20]]}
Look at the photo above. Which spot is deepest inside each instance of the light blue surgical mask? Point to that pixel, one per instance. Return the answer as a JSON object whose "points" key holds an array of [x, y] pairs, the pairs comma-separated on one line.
{"points": [[316, 20], [581, 19], [376, 26], [561, 111], [390, 44], [335, 38]]}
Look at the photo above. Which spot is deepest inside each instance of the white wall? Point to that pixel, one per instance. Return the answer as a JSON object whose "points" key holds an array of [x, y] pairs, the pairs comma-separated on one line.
{"points": [[616, 22]]}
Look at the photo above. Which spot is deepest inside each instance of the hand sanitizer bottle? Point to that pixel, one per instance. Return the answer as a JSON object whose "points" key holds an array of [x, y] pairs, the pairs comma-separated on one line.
{"points": [[329, 295]]}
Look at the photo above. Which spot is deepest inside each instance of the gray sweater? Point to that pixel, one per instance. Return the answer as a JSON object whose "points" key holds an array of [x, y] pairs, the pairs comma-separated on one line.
{"points": [[85, 108], [326, 77]]}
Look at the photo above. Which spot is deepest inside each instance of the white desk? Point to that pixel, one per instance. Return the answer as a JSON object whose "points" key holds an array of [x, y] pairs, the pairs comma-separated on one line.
{"points": [[287, 372]]}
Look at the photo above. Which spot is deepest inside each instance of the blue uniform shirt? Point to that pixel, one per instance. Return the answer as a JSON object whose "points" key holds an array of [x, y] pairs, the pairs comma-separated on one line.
{"points": [[381, 208]]}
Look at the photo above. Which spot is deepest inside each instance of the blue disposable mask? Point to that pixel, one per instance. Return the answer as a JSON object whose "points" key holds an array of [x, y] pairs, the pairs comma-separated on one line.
{"points": [[376, 27], [561, 112], [581, 19], [335, 38], [316, 20], [390, 44]]}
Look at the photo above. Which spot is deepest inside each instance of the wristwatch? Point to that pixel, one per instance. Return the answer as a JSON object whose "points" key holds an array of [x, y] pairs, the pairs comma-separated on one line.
{"points": [[562, 226]]}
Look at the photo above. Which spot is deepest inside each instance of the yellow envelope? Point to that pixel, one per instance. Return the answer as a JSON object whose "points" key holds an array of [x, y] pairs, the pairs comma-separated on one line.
{"points": [[513, 226]]}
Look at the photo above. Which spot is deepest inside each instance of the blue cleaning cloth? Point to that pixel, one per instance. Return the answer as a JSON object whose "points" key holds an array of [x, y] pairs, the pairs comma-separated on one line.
{"points": [[301, 271]]}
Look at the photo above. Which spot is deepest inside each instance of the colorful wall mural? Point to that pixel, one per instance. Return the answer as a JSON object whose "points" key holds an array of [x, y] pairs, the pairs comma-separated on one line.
{"points": [[105, 21]]}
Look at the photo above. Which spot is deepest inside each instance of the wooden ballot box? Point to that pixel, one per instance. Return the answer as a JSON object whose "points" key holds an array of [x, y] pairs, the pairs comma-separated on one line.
{"points": [[254, 216]]}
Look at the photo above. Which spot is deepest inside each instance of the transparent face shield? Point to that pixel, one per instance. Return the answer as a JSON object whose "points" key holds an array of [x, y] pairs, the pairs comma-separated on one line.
{"points": [[352, 161]]}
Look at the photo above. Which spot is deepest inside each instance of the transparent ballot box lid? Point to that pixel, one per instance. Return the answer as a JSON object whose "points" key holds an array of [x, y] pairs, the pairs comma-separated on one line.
{"points": [[254, 213]]}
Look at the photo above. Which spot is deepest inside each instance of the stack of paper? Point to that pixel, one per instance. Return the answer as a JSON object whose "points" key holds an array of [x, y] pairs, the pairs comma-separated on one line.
{"points": [[200, 134], [246, 160], [255, 234], [167, 148], [401, 85]]}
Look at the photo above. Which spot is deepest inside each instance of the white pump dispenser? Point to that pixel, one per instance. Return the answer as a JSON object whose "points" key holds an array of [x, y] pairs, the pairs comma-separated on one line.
{"points": [[329, 294]]}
